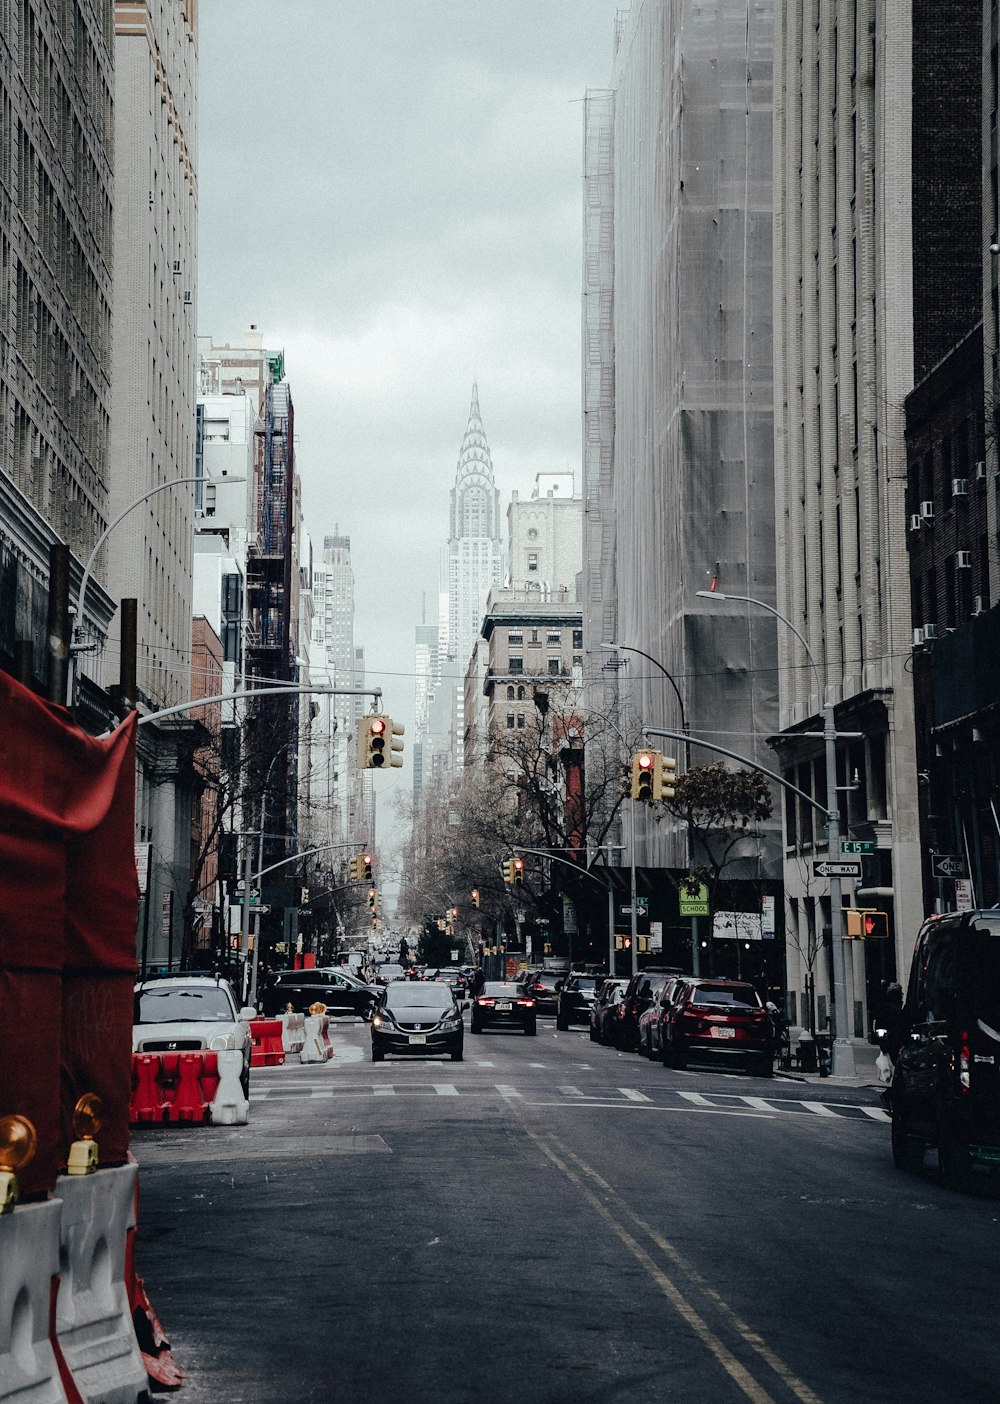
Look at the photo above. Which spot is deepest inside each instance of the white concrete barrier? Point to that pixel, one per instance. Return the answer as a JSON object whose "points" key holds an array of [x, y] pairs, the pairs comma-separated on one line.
{"points": [[229, 1107], [29, 1260], [93, 1318], [317, 1047], [293, 1033]]}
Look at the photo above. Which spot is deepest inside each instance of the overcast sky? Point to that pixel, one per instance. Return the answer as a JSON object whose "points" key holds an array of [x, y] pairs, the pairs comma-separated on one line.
{"points": [[392, 193]]}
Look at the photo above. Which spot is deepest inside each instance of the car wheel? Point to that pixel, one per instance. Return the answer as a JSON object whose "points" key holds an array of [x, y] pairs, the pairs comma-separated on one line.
{"points": [[907, 1151], [476, 1027], [562, 1024], [245, 1081], [675, 1058], [531, 1029], [378, 1054], [954, 1161], [761, 1067], [457, 1055], [594, 1036]]}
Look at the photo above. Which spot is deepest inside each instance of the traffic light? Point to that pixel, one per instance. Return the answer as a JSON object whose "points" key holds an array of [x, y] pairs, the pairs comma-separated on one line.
{"points": [[518, 866], [475, 897], [366, 866], [876, 926], [854, 918], [394, 754], [643, 765], [372, 898], [664, 775], [508, 871], [380, 742], [354, 868]]}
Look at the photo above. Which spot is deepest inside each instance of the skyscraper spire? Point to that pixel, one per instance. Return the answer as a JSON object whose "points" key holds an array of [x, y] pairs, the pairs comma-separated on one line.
{"points": [[474, 455]]}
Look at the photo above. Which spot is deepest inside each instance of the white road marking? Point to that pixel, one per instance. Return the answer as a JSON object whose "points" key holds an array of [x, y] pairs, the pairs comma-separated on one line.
{"points": [[481, 1064], [818, 1109], [876, 1113], [538, 1065], [570, 1091], [445, 1089], [697, 1098], [634, 1096], [759, 1103], [505, 1090], [386, 1090], [708, 1110]]}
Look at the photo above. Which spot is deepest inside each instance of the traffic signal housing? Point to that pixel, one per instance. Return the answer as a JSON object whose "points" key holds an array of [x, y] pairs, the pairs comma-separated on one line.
{"points": [[475, 897], [876, 926], [380, 742], [508, 871], [664, 775], [643, 766], [354, 868], [366, 866], [854, 920], [518, 871]]}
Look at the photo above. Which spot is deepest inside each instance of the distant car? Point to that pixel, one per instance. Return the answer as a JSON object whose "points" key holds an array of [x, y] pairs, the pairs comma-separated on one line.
{"points": [[417, 1017], [716, 1021], [334, 986], [456, 979], [576, 998], [388, 972], [542, 987], [649, 1022], [502, 1005], [187, 1013], [605, 1009]]}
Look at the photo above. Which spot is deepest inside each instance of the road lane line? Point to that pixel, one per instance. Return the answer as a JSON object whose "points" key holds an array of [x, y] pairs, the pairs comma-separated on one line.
{"points": [[445, 1089], [588, 1104], [737, 1372], [505, 1089], [635, 1096], [570, 1090], [384, 1090], [746, 1332], [819, 1109], [876, 1113], [481, 1064], [538, 1065]]}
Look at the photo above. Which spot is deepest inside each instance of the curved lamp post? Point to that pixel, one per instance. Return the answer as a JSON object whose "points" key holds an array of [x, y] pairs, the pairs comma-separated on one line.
{"points": [[843, 1052]]}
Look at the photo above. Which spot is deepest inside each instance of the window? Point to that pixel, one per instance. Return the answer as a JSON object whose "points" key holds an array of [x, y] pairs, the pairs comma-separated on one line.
{"points": [[520, 694], [510, 694], [515, 636], [553, 636], [520, 721], [554, 667], [515, 665], [578, 638], [510, 721], [532, 560]]}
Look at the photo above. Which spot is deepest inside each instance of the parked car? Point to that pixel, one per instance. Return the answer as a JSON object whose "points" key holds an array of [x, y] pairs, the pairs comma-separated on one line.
{"points": [[543, 987], [188, 1013], [636, 1000], [417, 1017], [575, 999], [716, 1021], [945, 1091], [333, 986], [503, 1005], [649, 1021], [604, 1011]]}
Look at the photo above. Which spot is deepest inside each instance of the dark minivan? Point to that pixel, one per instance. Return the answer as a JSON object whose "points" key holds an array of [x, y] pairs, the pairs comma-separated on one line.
{"points": [[946, 1079]]}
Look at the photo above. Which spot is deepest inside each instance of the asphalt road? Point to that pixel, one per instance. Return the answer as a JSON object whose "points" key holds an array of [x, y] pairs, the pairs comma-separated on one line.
{"points": [[551, 1221]]}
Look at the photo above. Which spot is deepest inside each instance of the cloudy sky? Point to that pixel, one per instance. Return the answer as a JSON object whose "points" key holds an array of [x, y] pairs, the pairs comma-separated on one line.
{"points": [[392, 193]]}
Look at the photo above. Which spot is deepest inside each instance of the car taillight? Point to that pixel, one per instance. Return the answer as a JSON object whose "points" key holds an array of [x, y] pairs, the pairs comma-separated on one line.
{"points": [[964, 1060], [481, 1000], [528, 1003]]}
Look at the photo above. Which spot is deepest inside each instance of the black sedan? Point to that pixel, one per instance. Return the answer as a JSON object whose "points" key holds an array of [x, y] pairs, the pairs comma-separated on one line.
{"points": [[341, 992], [502, 1005], [417, 1017], [576, 999]]}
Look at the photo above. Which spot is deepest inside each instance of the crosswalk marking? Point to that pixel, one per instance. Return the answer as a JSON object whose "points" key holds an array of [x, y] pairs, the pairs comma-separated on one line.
{"points": [[758, 1103], [506, 1090], [445, 1089], [876, 1113], [818, 1108], [570, 1091], [633, 1095], [480, 1063], [696, 1098], [385, 1090]]}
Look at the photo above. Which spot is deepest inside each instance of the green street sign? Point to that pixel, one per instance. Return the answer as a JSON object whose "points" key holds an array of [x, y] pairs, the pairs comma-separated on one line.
{"points": [[693, 906], [864, 847]]}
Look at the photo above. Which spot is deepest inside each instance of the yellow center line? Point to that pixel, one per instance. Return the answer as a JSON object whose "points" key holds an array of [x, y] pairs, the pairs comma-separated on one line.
{"points": [[746, 1332], [736, 1371]]}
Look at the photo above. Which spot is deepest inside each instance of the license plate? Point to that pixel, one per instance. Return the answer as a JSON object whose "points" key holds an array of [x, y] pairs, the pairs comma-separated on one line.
{"points": [[503, 1005], [418, 1038], [723, 1031]]}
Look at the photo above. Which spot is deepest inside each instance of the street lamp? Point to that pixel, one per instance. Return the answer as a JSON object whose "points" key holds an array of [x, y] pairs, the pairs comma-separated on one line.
{"points": [[843, 1051]]}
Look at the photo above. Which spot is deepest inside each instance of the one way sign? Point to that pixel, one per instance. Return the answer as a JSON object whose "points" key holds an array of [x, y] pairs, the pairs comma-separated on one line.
{"points": [[947, 865], [828, 867]]}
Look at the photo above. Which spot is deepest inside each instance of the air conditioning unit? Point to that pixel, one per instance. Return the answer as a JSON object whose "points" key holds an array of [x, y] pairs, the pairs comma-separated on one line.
{"points": [[918, 638], [188, 297], [977, 605], [175, 268], [980, 471], [959, 487], [963, 560], [927, 511], [930, 632], [916, 521]]}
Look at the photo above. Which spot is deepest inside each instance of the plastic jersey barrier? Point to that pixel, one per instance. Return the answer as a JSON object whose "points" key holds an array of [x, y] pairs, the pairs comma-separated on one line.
{"points": [[29, 1254]]}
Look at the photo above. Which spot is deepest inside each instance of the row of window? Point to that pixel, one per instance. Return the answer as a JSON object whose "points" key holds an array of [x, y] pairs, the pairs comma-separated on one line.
{"points": [[552, 636]]}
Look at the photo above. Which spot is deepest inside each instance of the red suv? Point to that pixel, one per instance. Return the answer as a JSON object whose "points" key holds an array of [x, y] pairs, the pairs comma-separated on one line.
{"points": [[718, 1021]]}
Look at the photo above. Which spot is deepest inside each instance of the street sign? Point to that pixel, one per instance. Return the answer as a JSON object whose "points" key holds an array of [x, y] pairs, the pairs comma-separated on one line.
{"points": [[261, 911], [947, 865], [641, 907], [828, 867], [693, 904], [864, 847]]}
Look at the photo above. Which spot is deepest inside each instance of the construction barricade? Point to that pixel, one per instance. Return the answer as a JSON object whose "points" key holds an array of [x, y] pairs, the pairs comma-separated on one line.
{"points": [[316, 1047], [29, 1254], [191, 1087], [94, 1327], [293, 1033], [268, 1049]]}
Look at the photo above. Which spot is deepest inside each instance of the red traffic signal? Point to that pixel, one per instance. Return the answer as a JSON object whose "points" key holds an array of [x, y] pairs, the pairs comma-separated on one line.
{"points": [[875, 925], [519, 870]]}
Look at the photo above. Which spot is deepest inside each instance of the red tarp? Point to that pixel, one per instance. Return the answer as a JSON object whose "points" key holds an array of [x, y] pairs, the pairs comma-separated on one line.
{"points": [[68, 902]]}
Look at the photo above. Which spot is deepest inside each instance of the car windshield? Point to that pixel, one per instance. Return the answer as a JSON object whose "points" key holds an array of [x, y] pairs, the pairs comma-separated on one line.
{"points": [[499, 989], [582, 982], [426, 995], [545, 977], [390, 972], [182, 1006], [744, 996]]}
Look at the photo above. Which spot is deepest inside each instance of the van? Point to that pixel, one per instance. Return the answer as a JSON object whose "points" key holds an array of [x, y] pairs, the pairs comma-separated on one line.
{"points": [[945, 1092]]}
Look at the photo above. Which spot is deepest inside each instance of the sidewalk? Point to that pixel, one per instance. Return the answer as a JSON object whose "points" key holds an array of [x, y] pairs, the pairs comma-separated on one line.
{"points": [[865, 1074]]}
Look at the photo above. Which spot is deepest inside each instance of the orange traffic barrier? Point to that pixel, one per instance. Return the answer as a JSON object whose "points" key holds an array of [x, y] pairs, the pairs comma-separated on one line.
{"points": [[188, 1102], [173, 1087], [148, 1102], [268, 1049]]}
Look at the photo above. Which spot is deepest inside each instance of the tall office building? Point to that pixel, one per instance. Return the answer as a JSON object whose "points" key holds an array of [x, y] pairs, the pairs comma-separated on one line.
{"points": [[473, 558], [56, 191], [678, 431], [843, 363], [334, 728]]}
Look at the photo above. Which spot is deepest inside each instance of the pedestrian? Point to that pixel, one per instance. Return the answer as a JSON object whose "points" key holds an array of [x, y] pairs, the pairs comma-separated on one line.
{"points": [[889, 1019]]}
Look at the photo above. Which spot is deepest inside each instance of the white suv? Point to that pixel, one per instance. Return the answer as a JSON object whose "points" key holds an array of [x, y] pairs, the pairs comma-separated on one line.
{"points": [[188, 1013]]}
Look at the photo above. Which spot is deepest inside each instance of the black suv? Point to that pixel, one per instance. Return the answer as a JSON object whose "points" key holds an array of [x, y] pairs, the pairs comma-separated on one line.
{"points": [[577, 996], [341, 992], [946, 1080], [636, 1000]]}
